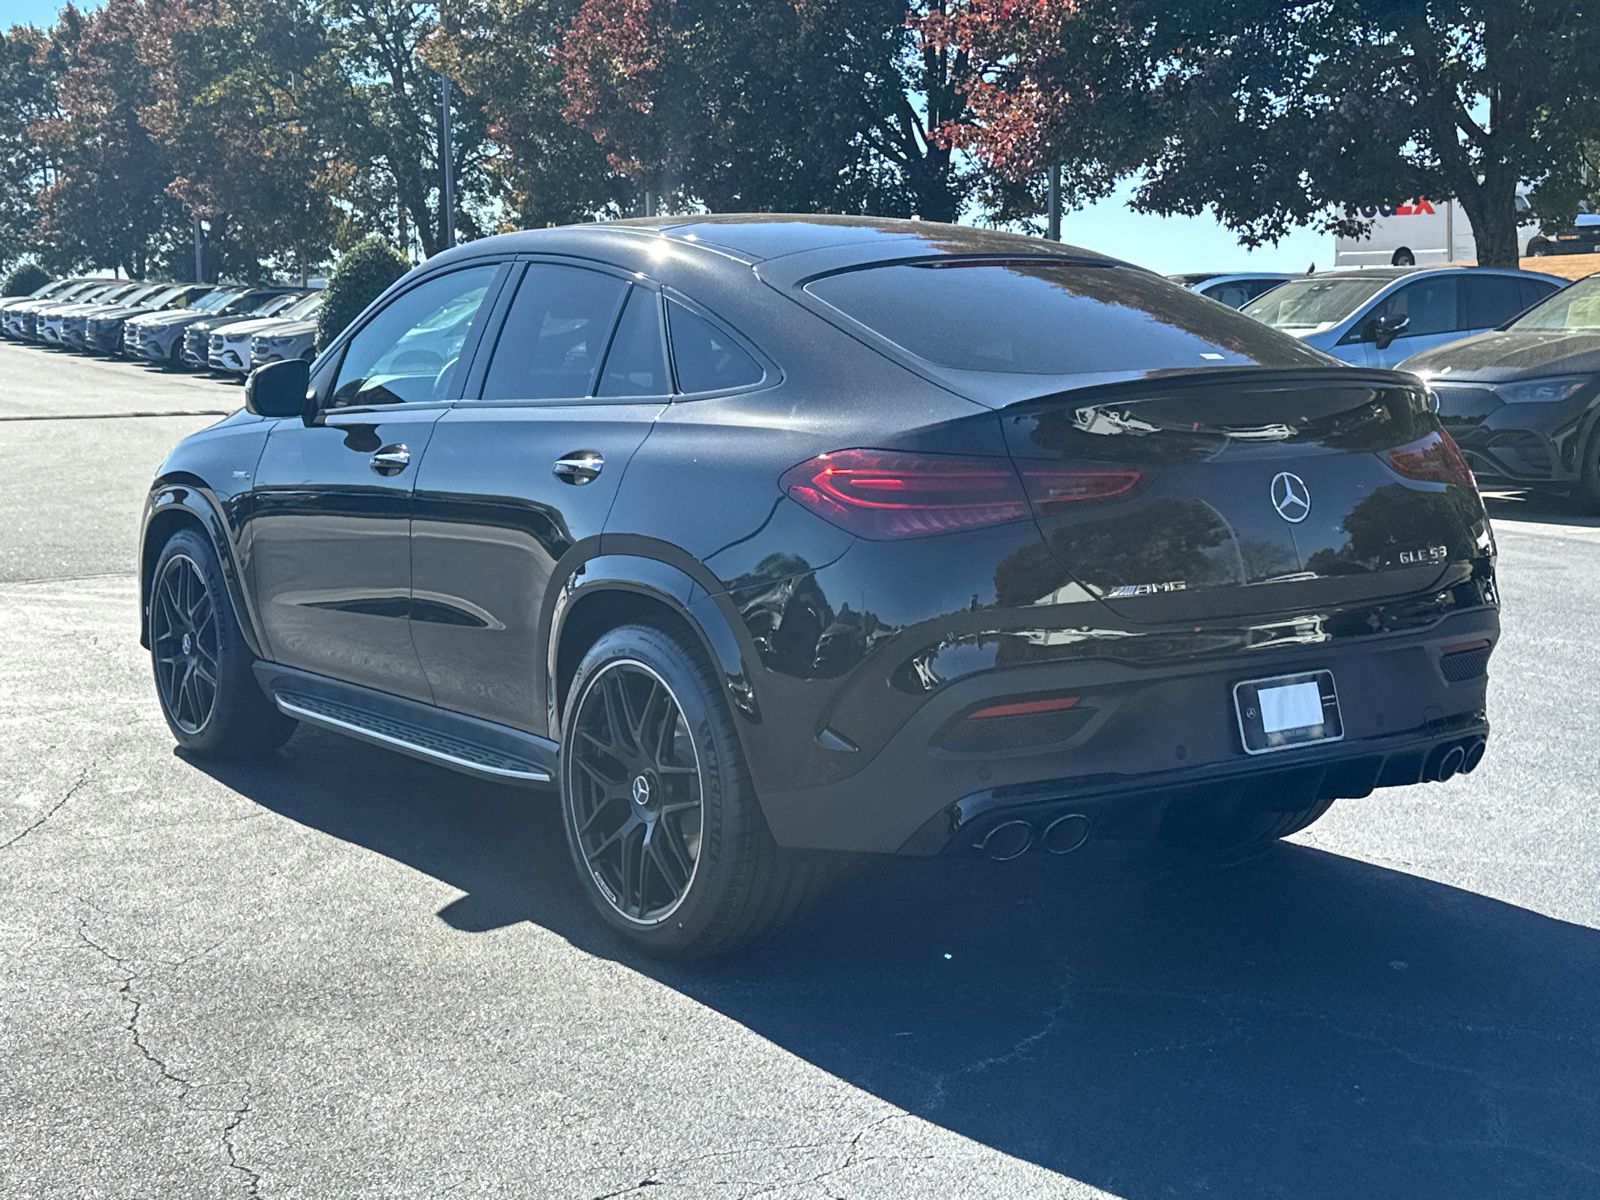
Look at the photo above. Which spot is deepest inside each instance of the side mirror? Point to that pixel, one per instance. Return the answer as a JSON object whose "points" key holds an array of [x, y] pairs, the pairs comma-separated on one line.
{"points": [[1383, 330], [278, 389]]}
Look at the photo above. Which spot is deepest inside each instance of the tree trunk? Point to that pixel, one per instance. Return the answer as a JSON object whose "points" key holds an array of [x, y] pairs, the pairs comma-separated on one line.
{"points": [[1492, 209]]}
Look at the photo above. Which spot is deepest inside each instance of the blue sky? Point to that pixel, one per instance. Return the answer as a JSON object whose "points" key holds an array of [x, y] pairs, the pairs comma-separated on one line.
{"points": [[1165, 244]]}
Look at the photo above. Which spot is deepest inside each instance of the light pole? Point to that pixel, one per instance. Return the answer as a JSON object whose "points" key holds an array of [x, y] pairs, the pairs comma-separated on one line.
{"points": [[1054, 219], [448, 196]]}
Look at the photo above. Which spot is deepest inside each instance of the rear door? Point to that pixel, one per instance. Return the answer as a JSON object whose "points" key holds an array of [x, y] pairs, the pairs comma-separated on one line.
{"points": [[522, 471]]}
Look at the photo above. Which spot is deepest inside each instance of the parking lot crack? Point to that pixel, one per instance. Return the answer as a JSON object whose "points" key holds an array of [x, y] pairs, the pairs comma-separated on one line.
{"points": [[83, 778], [134, 1010]]}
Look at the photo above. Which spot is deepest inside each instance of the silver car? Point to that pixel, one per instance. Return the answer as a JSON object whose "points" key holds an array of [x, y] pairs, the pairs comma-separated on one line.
{"points": [[294, 337]]}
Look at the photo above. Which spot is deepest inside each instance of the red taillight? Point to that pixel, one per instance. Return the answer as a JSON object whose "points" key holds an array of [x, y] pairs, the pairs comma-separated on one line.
{"points": [[1435, 459], [884, 494], [1024, 708]]}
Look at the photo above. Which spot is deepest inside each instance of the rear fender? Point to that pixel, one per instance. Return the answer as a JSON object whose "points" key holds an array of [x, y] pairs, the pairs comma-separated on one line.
{"points": [[686, 588]]}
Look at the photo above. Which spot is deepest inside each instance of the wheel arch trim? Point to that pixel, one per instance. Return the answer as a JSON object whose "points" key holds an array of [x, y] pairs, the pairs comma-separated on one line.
{"points": [[184, 500], [639, 566]]}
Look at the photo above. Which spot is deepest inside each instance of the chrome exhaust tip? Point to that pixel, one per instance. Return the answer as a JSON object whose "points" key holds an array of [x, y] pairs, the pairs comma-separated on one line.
{"points": [[1474, 756], [1065, 834], [1008, 840], [1450, 764]]}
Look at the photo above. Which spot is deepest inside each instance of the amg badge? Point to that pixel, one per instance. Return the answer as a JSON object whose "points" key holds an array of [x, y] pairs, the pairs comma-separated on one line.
{"points": [[1145, 589]]}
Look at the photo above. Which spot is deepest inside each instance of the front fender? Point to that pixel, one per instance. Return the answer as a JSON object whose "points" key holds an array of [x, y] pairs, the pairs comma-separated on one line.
{"points": [[186, 501]]}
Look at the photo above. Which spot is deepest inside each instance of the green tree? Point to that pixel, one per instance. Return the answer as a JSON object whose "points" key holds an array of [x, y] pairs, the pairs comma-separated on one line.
{"points": [[787, 105], [30, 68], [1279, 114], [546, 170], [25, 280], [106, 202], [397, 128], [368, 267], [249, 105]]}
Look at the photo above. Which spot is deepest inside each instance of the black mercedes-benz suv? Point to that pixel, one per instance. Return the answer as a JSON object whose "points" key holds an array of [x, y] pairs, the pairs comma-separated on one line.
{"points": [[765, 537]]}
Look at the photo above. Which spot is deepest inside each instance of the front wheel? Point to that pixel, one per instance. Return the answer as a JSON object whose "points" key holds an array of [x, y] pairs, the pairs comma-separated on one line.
{"points": [[661, 818], [204, 680]]}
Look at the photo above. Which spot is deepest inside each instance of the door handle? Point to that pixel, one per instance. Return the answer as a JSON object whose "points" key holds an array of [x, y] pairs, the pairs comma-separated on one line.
{"points": [[579, 467], [391, 459]]}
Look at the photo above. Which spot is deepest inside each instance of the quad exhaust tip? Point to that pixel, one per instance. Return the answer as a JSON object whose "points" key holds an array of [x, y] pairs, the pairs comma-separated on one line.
{"points": [[1449, 761]]}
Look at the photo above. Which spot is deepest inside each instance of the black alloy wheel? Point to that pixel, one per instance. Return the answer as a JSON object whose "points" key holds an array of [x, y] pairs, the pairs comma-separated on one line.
{"points": [[203, 667], [636, 800], [183, 636], [662, 821]]}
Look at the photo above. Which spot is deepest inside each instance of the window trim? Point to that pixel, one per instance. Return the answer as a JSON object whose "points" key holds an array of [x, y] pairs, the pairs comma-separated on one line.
{"points": [[478, 376]]}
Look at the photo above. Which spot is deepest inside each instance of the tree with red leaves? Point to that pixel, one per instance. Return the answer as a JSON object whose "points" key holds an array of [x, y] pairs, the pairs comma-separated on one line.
{"points": [[1278, 114], [782, 105]]}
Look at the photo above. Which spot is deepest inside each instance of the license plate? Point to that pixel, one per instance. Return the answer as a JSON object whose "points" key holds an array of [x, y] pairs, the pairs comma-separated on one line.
{"points": [[1286, 711]]}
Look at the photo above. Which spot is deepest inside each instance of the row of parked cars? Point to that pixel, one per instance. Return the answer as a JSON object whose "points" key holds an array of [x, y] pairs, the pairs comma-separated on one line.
{"points": [[231, 328], [1513, 357]]}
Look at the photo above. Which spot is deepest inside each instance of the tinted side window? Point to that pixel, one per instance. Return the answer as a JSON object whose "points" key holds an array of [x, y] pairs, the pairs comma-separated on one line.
{"points": [[706, 358], [1533, 291], [1489, 300], [409, 351], [1430, 303], [1234, 295], [554, 335], [636, 364]]}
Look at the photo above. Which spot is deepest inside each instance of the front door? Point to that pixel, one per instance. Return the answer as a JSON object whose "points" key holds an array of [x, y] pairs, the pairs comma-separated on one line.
{"points": [[331, 517], [1432, 306], [520, 473]]}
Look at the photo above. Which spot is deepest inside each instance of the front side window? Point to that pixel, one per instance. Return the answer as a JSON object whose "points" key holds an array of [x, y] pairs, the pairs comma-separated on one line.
{"points": [[555, 334], [1431, 305], [410, 350], [706, 358]]}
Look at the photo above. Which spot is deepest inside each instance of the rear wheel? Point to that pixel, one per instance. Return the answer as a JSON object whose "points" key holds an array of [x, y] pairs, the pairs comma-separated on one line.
{"points": [[661, 818], [204, 680], [1403, 258]]}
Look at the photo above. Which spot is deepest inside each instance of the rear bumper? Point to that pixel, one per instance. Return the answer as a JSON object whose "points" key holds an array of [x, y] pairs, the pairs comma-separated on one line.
{"points": [[1147, 737]]}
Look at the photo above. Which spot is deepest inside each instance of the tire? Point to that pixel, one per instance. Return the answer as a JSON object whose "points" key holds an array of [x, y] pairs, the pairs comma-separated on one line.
{"points": [[1538, 248], [682, 867], [1403, 258], [202, 666], [1588, 490]]}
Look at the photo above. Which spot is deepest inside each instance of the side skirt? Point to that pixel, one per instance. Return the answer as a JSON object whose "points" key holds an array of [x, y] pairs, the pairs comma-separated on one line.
{"points": [[479, 748]]}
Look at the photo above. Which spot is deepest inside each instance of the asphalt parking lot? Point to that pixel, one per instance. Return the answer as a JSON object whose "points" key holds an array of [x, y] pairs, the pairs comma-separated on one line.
{"points": [[343, 973]]}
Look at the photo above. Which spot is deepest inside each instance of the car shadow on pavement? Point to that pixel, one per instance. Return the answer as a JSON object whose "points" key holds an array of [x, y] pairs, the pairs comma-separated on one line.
{"points": [[1302, 1024]]}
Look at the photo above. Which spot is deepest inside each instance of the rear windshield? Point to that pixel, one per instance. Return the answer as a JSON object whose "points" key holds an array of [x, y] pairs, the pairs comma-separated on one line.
{"points": [[1575, 307], [1038, 317], [1312, 305]]}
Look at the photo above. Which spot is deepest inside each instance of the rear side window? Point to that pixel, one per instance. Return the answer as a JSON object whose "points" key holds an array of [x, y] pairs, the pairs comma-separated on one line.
{"points": [[1034, 316], [636, 364], [554, 335], [1534, 290], [1489, 300], [706, 358]]}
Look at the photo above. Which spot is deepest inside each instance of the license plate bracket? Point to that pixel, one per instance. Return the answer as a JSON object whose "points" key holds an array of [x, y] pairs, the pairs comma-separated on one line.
{"points": [[1283, 712]]}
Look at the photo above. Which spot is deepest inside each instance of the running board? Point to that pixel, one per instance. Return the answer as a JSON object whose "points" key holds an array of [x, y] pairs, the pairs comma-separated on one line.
{"points": [[465, 744]]}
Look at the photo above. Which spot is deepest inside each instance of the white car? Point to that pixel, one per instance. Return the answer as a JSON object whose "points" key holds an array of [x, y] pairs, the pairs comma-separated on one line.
{"points": [[294, 337]]}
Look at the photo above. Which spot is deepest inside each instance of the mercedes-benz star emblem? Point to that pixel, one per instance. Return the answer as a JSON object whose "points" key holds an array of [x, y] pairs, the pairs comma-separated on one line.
{"points": [[641, 790], [1291, 497]]}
